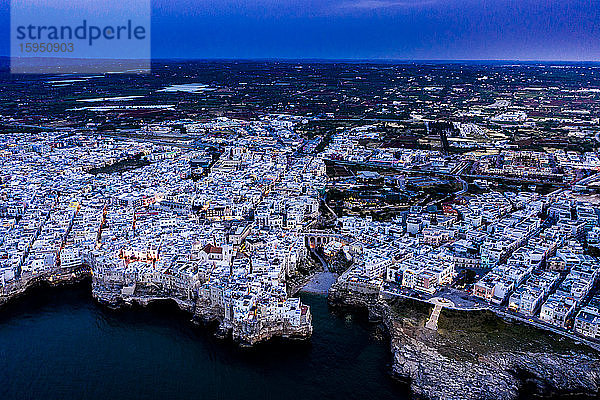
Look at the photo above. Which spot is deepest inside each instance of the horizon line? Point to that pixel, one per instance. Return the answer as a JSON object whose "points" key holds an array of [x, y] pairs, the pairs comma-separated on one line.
{"points": [[320, 59], [399, 60]]}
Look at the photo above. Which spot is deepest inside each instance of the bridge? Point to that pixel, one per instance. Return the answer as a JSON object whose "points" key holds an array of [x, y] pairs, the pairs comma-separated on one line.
{"points": [[316, 238]]}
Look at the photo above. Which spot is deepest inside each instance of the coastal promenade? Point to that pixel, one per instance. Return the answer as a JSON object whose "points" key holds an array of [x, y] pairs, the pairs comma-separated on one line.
{"points": [[439, 303], [470, 304]]}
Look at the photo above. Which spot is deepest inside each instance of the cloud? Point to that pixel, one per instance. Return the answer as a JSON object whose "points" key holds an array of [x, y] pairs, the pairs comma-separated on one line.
{"points": [[379, 4]]}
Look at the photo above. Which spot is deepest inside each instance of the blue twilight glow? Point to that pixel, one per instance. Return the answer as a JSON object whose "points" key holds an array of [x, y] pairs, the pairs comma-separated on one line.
{"points": [[398, 29]]}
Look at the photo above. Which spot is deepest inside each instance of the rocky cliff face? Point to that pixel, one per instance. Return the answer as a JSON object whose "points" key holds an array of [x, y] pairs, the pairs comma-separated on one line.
{"points": [[203, 313], [498, 375], [551, 373], [486, 359], [65, 276], [477, 356], [339, 295], [434, 376]]}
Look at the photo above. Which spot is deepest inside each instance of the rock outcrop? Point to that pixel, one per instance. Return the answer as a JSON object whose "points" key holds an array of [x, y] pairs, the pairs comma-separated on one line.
{"points": [[448, 367], [457, 364], [245, 333]]}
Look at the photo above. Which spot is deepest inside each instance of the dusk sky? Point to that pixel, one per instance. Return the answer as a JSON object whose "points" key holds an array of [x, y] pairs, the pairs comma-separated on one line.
{"points": [[366, 29]]}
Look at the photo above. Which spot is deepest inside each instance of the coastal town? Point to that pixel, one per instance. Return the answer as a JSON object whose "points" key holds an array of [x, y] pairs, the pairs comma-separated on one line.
{"points": [[155, 233], [233, 202], [226, 228]]}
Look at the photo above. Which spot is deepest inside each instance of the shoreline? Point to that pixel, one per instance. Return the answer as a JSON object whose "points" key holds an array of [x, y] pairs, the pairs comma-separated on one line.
{"points": [[205, 314], [201, 314], [516, 370], [513, 317], [65, 278], [420, 358]]}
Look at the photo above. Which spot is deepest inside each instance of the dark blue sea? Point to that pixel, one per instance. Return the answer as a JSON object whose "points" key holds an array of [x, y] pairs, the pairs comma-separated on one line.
{"points": [[56, 343]]}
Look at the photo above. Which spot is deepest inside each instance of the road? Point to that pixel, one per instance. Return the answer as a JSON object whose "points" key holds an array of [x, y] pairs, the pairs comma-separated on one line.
{"points": [[457, 300], [465, 187], [461, 302]]}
